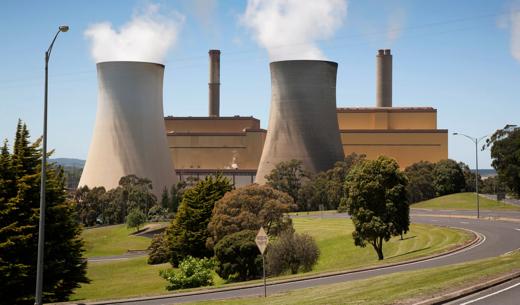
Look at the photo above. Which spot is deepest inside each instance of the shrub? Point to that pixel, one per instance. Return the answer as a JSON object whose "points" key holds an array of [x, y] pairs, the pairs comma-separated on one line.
{"points": [[192, 272], [159, 250], [291, 252], [238, 258], [135, 219]]}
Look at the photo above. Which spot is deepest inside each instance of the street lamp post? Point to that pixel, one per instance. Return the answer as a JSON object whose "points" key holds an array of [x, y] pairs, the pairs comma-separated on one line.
{"points": [[41, 228], [474, 140]]}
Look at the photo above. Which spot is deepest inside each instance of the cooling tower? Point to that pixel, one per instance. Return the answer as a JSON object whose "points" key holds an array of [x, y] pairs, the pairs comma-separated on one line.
{"points": [[303, 124], [129, 135]]}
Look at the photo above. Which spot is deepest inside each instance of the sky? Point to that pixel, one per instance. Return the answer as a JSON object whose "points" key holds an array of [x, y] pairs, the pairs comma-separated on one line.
{"points": [[460, 57]]}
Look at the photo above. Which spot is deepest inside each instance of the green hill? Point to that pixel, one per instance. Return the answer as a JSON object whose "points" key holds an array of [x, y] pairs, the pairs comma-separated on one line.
{"points": [[464, 201]]}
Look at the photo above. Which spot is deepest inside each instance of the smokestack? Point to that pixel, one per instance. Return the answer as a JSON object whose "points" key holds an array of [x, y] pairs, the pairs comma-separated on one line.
{"points": [[129, 135], [384, 78], [303, 123], [214, 83]]}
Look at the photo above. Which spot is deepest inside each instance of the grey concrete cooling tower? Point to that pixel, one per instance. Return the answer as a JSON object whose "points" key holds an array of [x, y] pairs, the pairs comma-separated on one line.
{"points": [[129, 135], [303, 124]]}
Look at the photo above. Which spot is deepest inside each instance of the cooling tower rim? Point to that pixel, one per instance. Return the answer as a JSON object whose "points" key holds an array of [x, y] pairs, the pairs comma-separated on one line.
{"points": [[304, 61], [129, 62]]}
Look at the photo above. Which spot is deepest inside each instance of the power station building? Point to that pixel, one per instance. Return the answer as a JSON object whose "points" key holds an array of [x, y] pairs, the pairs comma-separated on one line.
{"points": [[200, 146]]}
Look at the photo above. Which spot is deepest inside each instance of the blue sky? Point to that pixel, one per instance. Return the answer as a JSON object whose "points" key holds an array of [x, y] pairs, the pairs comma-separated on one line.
{"points": [[451, 55]]}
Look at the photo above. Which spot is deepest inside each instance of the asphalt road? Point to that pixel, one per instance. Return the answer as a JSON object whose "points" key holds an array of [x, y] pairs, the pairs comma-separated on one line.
{"points": [[498, 237], [505, 294]]}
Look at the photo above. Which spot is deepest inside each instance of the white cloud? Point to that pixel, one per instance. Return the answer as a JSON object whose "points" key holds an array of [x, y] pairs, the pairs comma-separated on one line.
{"points": [[147, 37]]}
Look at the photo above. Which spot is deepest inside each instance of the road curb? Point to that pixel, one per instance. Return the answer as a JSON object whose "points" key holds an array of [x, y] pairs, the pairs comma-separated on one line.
{"points": [[470, 290], [476, 239]]}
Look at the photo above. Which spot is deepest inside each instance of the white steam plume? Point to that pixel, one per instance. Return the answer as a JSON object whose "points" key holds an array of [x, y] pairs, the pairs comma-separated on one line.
{"points": [[147, 37], [289, 29], [396, 22]]}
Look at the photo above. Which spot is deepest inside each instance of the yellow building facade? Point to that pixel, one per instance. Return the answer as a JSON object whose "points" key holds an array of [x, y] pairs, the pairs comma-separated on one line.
{"points": [[233, 145], [407, 134]]}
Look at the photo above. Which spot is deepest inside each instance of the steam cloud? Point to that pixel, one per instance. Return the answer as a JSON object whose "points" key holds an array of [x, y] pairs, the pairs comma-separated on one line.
{"points": [[289, 29], [147, 37]]}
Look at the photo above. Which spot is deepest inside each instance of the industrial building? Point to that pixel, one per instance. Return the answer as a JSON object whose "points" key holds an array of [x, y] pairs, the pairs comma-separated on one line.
{"points": [[233, 145]]}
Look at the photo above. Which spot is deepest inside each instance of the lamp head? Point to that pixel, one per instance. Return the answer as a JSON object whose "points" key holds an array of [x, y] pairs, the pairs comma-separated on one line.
{"points": [[64, 28], [455, 133]]}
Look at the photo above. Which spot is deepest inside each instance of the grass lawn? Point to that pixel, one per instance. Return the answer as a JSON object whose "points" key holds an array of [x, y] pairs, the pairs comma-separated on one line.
{"points": [[133, 277], [464, 201], [402, 288], [334, 238], [112, 240]]}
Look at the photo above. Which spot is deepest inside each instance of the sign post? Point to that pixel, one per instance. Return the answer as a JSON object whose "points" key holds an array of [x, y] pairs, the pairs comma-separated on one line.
{"points": [[261, 241]]}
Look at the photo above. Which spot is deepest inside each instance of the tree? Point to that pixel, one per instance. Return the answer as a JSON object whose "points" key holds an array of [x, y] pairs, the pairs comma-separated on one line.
{"points": [[448, 178], [188, 232], [176, 193], [238, 258], [135, 219], [420, 177], [327, 188], [288, 177], [90, 205], [64, 266], [505, 153], [249, 208], [377, 202], [292, 252]]}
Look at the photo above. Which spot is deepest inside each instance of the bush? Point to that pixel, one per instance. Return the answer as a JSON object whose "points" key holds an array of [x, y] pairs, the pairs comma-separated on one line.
{"points": [[135, 219], [291, 252], [238, 258], [192, 272], [159, 250]]}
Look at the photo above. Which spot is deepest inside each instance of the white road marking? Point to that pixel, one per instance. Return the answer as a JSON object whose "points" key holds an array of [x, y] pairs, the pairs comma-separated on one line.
{"points": [[435, 220], [464, 222], [491, 294], [518, 229]]}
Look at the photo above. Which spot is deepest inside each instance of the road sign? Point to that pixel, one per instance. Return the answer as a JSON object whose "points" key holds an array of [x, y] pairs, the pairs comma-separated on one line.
{"points": [[261, 240]]}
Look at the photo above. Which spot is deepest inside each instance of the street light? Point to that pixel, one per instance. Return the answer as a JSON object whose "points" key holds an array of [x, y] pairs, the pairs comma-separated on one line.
{"points": [[475, 140], [41, 228]]}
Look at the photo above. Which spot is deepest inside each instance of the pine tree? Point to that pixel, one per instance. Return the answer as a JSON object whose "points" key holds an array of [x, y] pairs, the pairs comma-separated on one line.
{"points": [[188, 232], [64, 266]]}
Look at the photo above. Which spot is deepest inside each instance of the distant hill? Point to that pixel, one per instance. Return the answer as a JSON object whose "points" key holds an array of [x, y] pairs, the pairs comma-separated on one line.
{"points": [[69, 162]]}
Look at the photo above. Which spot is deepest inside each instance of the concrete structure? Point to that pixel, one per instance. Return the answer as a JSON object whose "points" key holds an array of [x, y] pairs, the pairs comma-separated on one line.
{"points": [[384, 78], [203, 145], [408, 134], [129, 135], [214, 83], [302, 120]]}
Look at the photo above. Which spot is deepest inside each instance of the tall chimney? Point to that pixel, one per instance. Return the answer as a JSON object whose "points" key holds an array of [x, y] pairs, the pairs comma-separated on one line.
{"points": [[384, 78], [214, 83]]}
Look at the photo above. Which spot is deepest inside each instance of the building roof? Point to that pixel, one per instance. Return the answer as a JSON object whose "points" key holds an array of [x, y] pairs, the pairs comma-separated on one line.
{"points": [[220, 118], [386, 109]]}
